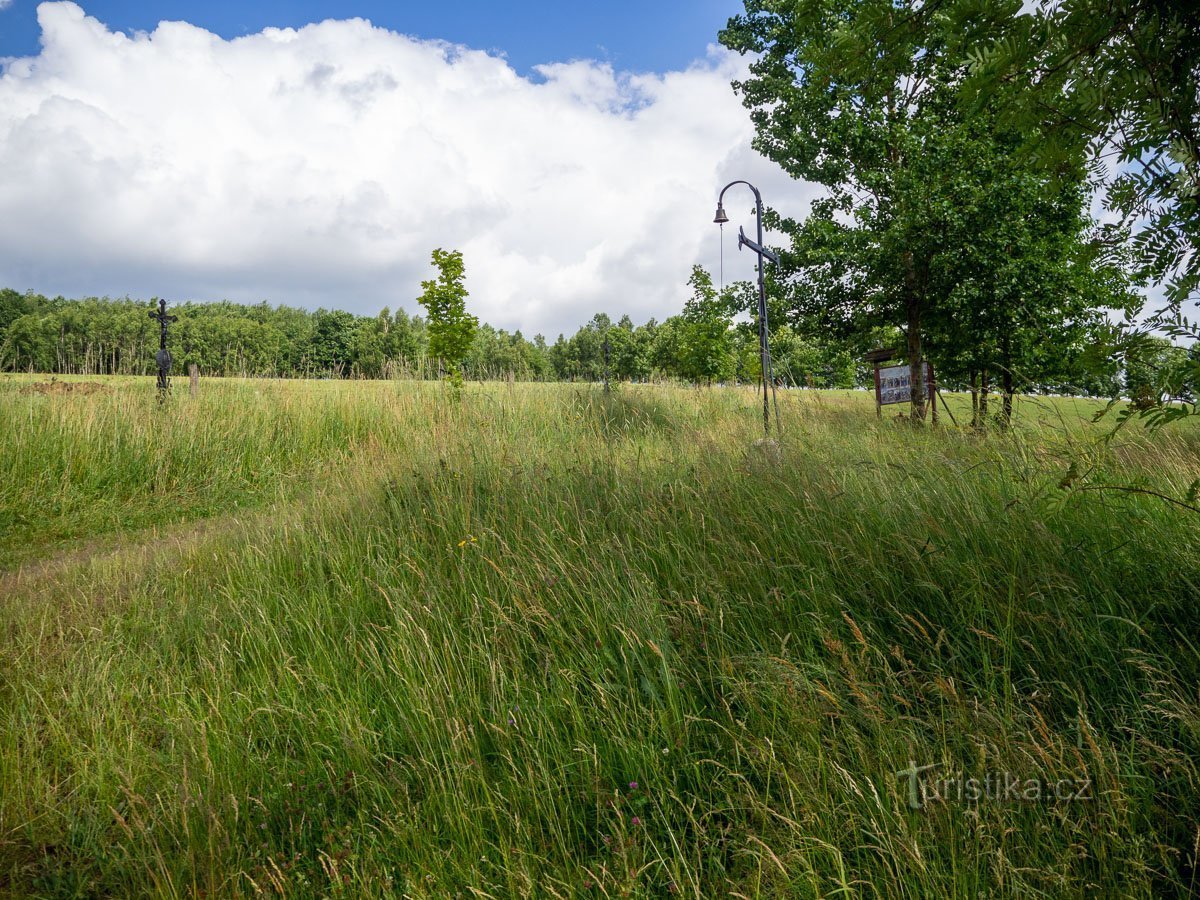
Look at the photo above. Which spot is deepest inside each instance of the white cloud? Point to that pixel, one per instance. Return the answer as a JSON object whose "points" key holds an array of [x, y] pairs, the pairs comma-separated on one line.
{"points": [[321, 166]]}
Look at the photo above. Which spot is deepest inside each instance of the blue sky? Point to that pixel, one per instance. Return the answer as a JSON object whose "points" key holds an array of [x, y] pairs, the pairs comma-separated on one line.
{"points": [[573, 153], [653, 35]]}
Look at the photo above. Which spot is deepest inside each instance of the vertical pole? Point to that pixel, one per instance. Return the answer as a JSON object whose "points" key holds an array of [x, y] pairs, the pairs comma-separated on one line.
{"points": [[764, 350], [162, 346], [931, 390], [762, 346], [878, 394], [764, 330]]}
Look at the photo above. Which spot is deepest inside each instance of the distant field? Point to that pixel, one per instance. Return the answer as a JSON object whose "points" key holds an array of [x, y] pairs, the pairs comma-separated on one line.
{"points": [[95, 457], [340, 638]]}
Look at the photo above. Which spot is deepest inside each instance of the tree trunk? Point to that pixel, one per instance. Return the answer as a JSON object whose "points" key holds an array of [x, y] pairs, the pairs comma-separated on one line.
{"points": [[984, 387], [916, 372], [1007, 379]]}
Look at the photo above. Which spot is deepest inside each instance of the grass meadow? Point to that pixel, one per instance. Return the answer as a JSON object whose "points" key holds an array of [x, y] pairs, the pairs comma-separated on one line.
{"points": [[355, 639]]}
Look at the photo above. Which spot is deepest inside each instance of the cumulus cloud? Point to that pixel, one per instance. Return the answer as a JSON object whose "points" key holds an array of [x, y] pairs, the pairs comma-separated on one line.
{"points": [[320, 166]]}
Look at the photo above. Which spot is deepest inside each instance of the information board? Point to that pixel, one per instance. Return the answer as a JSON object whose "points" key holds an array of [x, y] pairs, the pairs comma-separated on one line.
{"points": [[893, 384]]}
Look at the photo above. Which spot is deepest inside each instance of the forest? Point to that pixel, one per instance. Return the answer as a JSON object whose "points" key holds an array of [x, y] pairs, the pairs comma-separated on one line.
{"points": [[116, 336], [707, 342]]}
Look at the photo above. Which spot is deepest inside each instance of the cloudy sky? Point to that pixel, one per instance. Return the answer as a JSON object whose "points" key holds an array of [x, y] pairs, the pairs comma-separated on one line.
{"points": [[574, 161]]}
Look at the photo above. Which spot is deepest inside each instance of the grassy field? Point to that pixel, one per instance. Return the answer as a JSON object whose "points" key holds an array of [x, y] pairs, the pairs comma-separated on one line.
{"points": [[355, 639]]}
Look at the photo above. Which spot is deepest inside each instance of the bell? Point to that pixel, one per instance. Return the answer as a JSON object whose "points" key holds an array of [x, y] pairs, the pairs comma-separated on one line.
{"points": [[721, 218]]}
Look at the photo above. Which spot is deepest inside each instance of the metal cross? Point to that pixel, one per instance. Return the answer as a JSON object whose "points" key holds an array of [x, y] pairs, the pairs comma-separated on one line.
{"points": [[163, 357]]}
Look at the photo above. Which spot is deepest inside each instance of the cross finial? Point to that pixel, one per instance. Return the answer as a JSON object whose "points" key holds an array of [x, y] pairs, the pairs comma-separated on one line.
{"points": [[161, 313]]}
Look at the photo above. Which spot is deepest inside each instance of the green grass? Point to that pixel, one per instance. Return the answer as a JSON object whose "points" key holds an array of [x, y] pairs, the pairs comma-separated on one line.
{"points": [[90, 466], [436, 644]]}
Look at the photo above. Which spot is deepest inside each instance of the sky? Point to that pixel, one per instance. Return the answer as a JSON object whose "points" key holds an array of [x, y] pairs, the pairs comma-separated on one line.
{"points": [[316, 153]]}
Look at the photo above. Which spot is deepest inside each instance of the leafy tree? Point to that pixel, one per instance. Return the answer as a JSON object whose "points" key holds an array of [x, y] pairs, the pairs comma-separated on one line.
{"points": [[12, 306], [667, 346], [631, 349], [917, 229], [1119, 80], [451, 328], [809, 363], [1153, 367], [1022, 286], [541, 366], [559, 355], [405, 341], [368, 344], [332, 338], [831, 106], [705, 349]]}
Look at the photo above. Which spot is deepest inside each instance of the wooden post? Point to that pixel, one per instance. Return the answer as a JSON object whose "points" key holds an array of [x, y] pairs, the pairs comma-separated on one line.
{"points": [[878, 404], [877, 358], [193, 378]]}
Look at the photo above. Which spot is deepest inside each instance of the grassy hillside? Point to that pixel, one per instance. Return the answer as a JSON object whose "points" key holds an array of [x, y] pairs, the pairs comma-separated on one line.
{"points": [[547, 642]]}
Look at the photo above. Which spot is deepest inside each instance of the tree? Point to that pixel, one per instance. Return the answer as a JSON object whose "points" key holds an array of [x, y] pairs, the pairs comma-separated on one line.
{"points": [[1021, 284], [332, 338], [705, 347], [666, 347], [917, 229], [631, 350], [833, 105], [1153, 367], [1119, 80], [451, 328], [368, 344]]}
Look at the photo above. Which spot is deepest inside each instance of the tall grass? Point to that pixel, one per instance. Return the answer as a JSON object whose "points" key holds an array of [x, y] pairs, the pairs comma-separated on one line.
{"points": [[82, 467], [549, 642]]}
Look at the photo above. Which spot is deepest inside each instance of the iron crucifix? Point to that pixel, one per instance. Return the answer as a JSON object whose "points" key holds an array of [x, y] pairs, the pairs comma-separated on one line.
{"points": [[163, 357]]}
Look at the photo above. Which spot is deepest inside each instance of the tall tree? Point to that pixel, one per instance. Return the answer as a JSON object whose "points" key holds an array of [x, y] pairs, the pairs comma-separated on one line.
{"points": [[451, 328], [1119, 80], [706, 348], [863, 97], [333, 335], [834, 104]]}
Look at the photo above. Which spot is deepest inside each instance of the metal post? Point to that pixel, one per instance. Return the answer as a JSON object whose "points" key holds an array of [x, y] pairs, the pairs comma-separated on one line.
{"points": [[764, 349]]}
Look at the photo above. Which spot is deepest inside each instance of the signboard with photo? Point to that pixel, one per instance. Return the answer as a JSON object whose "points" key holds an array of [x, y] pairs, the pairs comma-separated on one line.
{"points": [[893, 384]]}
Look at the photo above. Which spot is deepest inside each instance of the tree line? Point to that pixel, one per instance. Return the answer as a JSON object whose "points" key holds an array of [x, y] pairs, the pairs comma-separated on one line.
{"points": [[105, 336], [710, 341]]}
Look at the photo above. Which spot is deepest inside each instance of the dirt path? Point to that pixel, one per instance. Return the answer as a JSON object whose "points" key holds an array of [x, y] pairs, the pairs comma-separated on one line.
{"points": [[122, 548], [128, 554]]}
